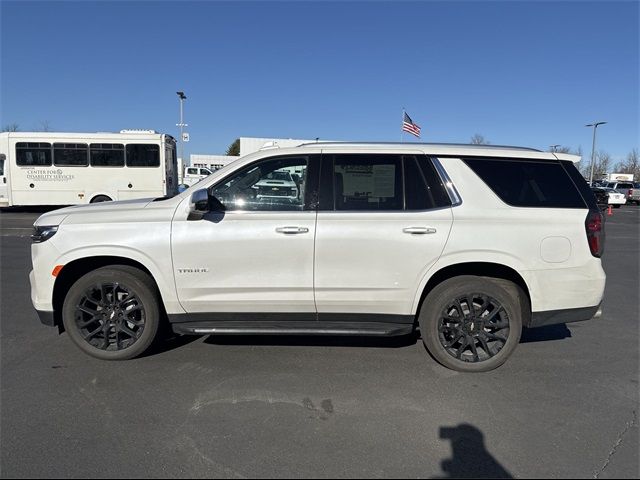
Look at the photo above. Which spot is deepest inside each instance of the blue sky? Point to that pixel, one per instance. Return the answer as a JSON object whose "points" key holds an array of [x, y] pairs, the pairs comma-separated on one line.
{"points": [[520, 73]]}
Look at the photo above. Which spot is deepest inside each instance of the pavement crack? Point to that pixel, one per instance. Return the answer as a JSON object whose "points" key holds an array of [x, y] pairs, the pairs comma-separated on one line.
{"points": [[627, 427]]}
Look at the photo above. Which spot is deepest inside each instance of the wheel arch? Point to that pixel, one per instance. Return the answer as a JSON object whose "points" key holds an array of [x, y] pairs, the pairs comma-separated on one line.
{"points": [[75, 269], [479, 269]]}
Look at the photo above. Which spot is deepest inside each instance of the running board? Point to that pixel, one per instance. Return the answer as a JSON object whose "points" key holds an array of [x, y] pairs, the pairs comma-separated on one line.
{"points": [[371, 329]]}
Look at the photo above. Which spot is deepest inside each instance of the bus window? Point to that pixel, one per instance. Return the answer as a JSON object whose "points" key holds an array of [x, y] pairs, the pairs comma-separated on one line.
{"points": [[107, 154], [32, 154], [70, 154], [143, 155]]}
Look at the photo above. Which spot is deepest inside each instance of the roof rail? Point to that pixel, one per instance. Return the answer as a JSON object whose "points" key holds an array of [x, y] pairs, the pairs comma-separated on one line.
{"points": [[413, 144]]}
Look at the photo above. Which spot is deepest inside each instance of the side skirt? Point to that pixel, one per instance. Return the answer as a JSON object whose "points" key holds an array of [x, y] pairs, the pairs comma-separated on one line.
{"points": [[292, 324]]}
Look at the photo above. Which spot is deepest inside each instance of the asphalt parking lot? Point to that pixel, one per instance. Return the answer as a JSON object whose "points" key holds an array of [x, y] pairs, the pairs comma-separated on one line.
{"points": [[564, 406]]}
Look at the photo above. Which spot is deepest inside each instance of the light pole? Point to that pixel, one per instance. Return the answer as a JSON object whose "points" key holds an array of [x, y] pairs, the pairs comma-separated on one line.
{"points": [[182, 97], [593, 148]]}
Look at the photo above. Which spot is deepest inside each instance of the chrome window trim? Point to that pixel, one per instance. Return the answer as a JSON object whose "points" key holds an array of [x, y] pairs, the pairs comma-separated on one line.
{"points": [[454, 196]]}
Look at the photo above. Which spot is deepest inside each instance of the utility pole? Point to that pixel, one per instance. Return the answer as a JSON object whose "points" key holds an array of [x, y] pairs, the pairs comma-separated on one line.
{"points": [[182, 97], [593, 148]]}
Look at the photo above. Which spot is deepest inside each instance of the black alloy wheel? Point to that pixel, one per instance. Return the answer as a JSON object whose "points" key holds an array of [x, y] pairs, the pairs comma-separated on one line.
{"points": [[110, 316], [473, 328], [471, 323], [113, 313]]}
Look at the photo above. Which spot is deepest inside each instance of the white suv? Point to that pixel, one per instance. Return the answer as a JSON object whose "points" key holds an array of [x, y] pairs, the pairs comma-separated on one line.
{"points": [[467, 243]]}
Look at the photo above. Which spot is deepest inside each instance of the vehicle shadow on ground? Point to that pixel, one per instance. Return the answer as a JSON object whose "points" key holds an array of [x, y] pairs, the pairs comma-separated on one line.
{"points": [[470, 458], [169, 342]]}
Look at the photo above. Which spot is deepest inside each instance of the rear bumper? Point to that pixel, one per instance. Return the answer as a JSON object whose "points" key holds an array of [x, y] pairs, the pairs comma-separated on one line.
{"points": [[552, 317]]}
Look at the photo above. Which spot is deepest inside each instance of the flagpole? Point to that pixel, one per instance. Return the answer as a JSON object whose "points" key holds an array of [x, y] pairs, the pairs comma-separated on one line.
{"points": [[402, 126]]}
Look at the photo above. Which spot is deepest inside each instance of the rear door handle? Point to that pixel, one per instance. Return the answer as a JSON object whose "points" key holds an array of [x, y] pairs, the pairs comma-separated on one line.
{"points": [[292, 230], [419, 230]]}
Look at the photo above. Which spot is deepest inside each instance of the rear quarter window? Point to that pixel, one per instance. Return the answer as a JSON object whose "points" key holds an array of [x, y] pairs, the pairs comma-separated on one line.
{"points": [[528, 183]]}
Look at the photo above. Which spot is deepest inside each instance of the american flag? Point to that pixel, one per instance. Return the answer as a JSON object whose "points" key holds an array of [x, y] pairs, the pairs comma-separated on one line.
{"points": [[409, 126]]}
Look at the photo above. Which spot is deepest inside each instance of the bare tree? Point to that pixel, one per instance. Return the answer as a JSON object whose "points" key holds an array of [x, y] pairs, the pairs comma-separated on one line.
{"points": [[631, 164], [478, 139], [561, 149], [11, 127], [602, 165], [45, 126]]}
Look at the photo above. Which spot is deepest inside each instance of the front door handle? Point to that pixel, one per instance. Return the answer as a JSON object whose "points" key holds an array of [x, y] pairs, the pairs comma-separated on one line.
{"points": [[419, 230], [292, 230]]}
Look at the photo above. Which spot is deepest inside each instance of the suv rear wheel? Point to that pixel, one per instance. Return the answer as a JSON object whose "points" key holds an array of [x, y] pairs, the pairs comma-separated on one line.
{"points": [[472, 324], [112, 313]]}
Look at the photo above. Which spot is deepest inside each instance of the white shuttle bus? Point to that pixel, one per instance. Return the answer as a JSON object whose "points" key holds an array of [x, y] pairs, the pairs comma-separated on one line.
{"points": [[46, 168]]}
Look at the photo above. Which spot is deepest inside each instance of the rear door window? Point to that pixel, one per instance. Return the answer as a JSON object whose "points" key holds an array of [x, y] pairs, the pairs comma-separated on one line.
{"points": [[367, 182], [423, 188], [528, 183]]}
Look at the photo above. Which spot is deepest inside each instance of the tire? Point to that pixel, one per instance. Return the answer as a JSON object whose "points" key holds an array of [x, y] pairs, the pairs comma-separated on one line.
{"points": [[616, 206], [100, 198], [120, 312], [501, 302]]}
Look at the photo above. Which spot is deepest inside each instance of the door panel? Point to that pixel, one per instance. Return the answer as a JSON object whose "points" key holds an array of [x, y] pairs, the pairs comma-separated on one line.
{"points": [[384, 221], [240, 263], [257, 255], [367, 263]]}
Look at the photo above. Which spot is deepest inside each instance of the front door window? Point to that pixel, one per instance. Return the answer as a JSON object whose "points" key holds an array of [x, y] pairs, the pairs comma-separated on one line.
{"points": [[278, 184]]}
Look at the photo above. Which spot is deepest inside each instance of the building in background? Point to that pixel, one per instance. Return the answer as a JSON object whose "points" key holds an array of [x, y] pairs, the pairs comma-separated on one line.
{"points": [[247, 145]]}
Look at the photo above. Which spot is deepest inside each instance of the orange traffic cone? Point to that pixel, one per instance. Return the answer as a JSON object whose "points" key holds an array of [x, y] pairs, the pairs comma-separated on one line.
{"points": [[610, 211]]}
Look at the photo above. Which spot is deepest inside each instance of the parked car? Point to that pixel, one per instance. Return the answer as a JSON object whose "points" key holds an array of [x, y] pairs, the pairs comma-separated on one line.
{"points": [[633, 195], [614, 197], [466, 244], [621, 187], [277, 184]]}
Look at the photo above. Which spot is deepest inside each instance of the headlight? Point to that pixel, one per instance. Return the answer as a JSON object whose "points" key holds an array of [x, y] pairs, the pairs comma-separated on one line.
{"points": [[43, 233]]}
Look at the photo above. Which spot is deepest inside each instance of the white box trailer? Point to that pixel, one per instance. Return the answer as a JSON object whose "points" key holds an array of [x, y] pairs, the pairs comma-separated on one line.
{"points": [[46, 168], [620, 177]]}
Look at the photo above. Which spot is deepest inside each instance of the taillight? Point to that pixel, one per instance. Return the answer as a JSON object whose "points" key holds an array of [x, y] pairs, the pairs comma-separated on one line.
{"points": [[594, 225], [630, 192]]}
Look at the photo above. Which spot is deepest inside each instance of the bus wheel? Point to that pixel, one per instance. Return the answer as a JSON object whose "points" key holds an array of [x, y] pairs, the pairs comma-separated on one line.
{"points": [[100, 198]]}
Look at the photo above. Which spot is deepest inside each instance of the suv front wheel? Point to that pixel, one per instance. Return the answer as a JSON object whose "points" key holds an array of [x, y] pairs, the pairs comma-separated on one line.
{"points": [[112, 313], [472, 324]]}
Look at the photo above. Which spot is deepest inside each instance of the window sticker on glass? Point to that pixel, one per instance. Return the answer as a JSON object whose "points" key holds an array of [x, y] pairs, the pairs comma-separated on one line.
{"points": [[372, 181], [384, 181]]}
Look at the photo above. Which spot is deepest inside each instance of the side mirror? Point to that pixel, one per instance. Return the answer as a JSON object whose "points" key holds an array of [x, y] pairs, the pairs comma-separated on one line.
{"points": [[216, 205], [203, 203], [199, 204]]}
